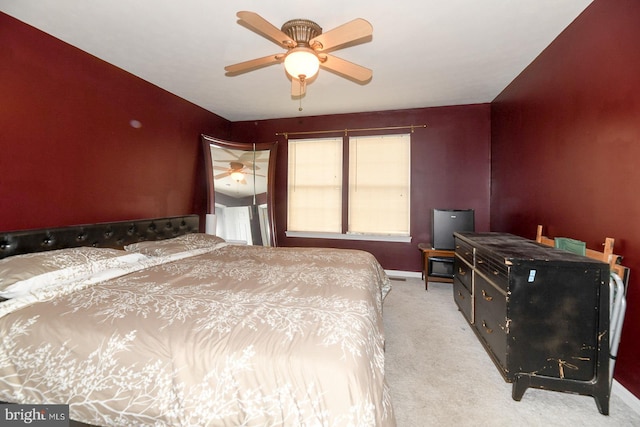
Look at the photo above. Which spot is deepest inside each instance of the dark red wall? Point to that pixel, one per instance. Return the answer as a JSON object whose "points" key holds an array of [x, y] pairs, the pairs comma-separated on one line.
{"points": [[450, 169], [566, 144], [559, 147], [68, 153]]}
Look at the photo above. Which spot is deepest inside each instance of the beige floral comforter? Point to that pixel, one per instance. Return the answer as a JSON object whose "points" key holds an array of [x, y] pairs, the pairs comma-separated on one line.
{"points": [[239, 335]]}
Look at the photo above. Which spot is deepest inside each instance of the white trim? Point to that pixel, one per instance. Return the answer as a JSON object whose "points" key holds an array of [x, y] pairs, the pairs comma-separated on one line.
{"points": [[627, 397], [404, 274], [340, 236]]}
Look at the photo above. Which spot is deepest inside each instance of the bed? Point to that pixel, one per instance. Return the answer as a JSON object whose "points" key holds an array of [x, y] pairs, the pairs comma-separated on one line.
{"points": [[152, 323]]}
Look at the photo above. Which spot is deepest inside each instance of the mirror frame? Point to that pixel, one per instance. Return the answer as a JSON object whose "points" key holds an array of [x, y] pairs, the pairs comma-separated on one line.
{"points": [[208, 141]]}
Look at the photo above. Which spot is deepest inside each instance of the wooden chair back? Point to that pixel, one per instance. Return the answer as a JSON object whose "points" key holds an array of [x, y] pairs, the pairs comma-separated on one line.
{"points": [[606, 255]]}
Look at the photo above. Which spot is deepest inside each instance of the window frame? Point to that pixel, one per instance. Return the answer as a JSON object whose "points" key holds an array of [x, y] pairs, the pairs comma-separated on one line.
{"points": [[345, 234]]}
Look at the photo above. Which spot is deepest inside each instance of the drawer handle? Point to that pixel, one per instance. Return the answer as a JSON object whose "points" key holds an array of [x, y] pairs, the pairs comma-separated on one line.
{"points": [[460, 295], [484, 325], [486, 296], [461, 271], [479, 261]]}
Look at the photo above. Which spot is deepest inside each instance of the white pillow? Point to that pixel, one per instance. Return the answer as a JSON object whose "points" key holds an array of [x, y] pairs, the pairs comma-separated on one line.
{"points": [[23, 267], [175, 245]]}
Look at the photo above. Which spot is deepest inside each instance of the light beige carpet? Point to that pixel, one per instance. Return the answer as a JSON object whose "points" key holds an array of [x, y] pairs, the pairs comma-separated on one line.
{"points": [[440, 375]]}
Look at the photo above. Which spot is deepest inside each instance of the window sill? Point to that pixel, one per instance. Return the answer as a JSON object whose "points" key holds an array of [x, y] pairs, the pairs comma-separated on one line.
{"points": [[339, 236]]}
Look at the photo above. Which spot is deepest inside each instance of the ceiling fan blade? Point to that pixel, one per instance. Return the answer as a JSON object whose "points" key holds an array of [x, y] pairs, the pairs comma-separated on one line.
{"points": [[248, 156], [249, 167], [345, 33], [345, 68], [222, 175], [298, 87], [243, 67], [266, 29]]}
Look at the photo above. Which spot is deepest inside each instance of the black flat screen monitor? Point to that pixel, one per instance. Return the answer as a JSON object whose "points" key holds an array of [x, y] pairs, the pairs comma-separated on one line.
{"points": [[444, 222]]}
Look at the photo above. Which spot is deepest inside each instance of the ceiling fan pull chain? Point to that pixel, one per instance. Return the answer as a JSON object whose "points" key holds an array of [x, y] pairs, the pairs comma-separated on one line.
{"points": [[301, 83], [254, 173]]}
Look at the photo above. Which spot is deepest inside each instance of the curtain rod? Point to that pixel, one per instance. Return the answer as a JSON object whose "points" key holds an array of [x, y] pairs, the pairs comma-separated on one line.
{"points": [[346, 131]]}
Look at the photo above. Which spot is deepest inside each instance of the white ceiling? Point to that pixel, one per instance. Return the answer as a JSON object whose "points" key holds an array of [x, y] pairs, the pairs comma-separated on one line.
{"points": [[423, 53]]}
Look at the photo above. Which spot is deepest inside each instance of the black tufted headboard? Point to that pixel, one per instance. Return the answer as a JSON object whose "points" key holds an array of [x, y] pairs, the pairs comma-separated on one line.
{"points": [[104, 235]]}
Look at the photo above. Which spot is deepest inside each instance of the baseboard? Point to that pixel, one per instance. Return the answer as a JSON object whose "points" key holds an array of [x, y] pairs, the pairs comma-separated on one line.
{"points": [[627, 397], [404, 274]]}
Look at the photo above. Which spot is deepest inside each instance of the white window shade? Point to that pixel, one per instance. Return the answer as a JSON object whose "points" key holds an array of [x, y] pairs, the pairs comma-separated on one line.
{"points": [[314, 185], [379, 184]]}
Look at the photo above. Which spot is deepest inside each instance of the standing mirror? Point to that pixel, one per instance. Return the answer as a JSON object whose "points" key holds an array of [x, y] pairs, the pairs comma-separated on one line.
{"points": [[240, 194]]}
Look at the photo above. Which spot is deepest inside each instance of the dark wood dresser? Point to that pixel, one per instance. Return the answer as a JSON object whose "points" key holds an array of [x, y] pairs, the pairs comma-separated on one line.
{"points": [[541, 313]]}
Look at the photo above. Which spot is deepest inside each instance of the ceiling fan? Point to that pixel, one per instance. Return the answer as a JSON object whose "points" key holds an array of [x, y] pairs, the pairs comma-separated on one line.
{"points": [[239, 167], [307, 48]]}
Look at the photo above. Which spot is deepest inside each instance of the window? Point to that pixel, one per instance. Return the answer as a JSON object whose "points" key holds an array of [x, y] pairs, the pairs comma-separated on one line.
{"points": [[379, 182], [315, 185], [374, 200]]}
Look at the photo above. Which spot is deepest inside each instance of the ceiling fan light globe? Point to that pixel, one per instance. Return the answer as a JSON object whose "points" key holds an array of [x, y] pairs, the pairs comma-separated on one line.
{"points": [[237, 176], [303, 62]]}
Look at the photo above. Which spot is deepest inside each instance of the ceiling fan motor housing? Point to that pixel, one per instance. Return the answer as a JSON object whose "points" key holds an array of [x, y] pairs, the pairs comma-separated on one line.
{"points": [[301, 30], [236, 166]]}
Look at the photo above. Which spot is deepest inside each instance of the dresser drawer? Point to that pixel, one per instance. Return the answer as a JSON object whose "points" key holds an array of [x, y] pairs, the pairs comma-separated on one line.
{"points": [[463, 299], [464, 251], [491, 318], [494, 268], [493, 333], [489, 301], [463, 272]]}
